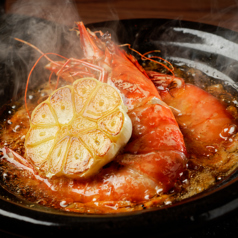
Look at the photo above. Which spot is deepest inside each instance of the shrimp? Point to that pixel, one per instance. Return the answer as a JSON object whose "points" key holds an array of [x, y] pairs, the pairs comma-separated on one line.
{"points": [[141, 175], [209, 129]]}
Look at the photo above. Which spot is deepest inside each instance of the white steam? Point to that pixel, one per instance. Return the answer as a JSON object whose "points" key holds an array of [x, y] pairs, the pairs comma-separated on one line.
{"points": [[52, 35]]}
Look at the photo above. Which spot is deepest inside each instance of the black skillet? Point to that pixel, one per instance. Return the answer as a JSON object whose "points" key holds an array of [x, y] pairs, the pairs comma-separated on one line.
{"points": [[208, 48]]}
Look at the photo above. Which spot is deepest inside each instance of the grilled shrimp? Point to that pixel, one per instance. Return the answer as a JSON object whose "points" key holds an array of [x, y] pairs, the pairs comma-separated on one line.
{"points": [[138, 176], [209, 129]]}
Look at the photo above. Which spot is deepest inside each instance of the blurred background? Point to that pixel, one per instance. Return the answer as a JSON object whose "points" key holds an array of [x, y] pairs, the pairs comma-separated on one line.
{"points": [[222, 13]]}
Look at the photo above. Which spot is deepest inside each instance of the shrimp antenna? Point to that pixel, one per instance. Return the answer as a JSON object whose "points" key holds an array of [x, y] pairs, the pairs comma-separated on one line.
{"points": [[144, 57], [29, 75]]}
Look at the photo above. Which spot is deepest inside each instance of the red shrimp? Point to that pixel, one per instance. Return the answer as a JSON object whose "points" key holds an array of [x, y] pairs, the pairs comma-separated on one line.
{"points": [[208, 127], [140, 176]]}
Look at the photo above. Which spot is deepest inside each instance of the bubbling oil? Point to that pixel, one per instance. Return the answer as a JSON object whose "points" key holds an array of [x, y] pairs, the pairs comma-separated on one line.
{"points": [[14, 124]]}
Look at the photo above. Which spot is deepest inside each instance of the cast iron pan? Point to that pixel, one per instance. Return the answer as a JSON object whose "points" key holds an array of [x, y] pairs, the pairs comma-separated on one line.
{"points": [[205, 47]]}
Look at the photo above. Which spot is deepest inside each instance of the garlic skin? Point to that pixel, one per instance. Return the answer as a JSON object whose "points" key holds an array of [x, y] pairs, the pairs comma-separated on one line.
{"points": [[77, 130]]}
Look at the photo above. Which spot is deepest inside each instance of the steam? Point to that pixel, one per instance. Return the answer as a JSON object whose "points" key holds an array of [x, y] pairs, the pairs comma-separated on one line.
{"points": [[64, 12], [55, 35], [27, 23]]}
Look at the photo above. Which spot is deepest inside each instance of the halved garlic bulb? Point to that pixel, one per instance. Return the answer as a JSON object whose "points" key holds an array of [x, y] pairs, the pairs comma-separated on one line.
{"points": [[77, 130]]}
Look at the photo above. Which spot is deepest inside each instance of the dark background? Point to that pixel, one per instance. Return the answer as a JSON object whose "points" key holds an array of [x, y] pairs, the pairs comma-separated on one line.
{"points": [[222, 13]]}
